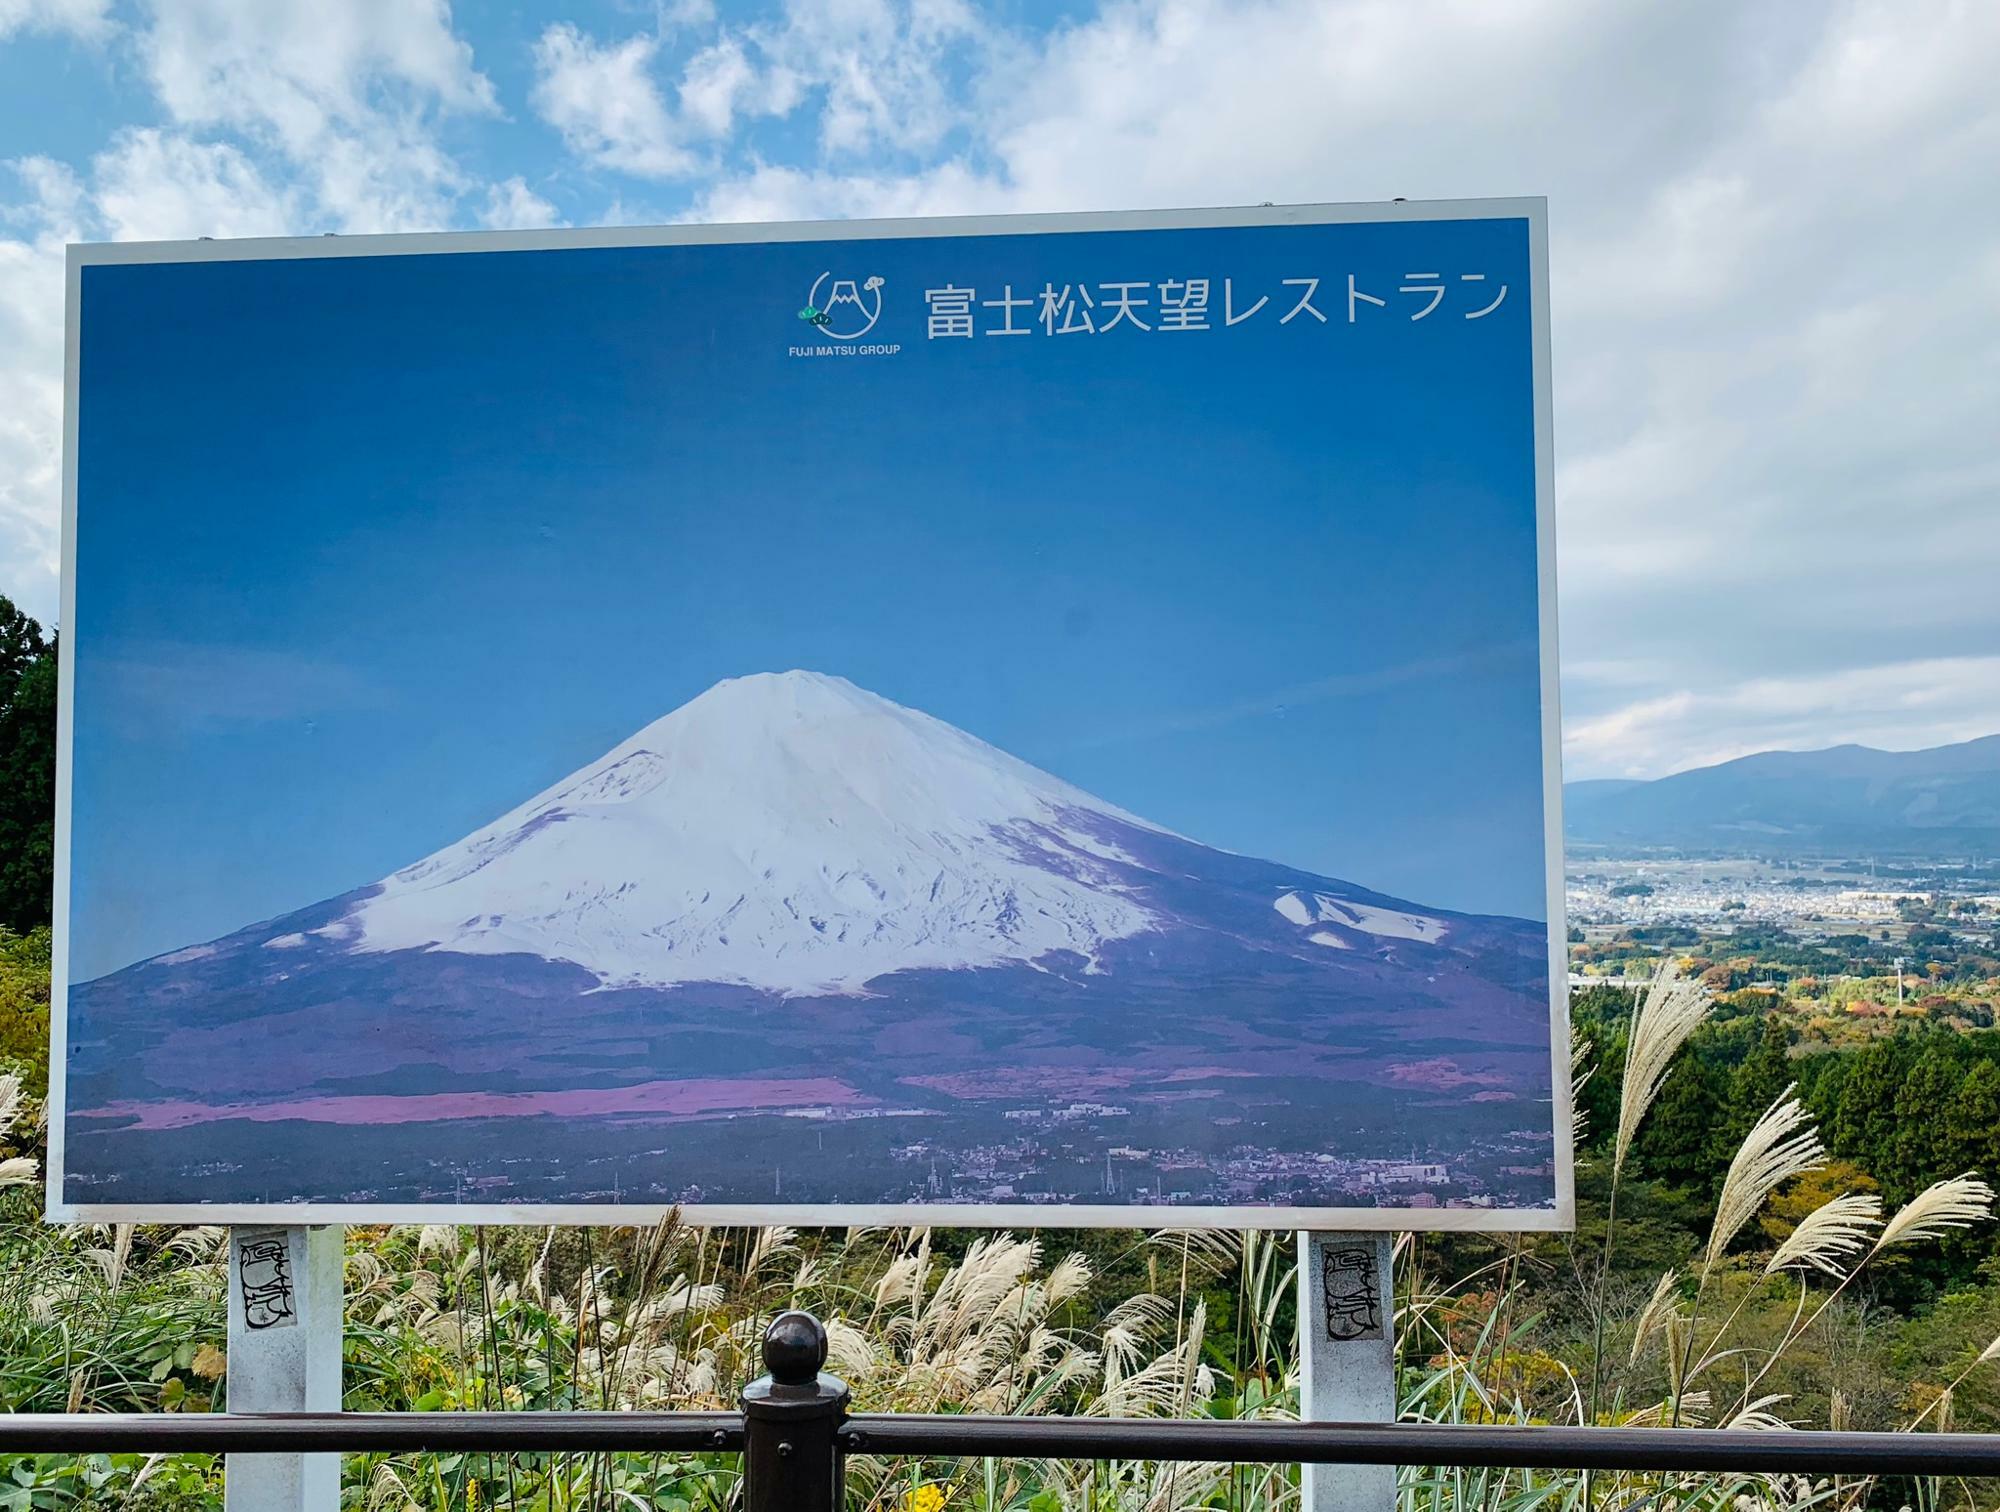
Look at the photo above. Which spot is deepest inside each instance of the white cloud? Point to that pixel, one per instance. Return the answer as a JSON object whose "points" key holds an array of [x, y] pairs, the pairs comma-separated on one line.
{"points": [[685, 15], [717, 82], [605, 102], [55, 195], [1898, 706], [31, 345], [887, 74], [301, 69], [773, 192], [151, 185], [186, 686], [880, 76], [347, 95], [513, 206], [1776, 267], [83, 18]]}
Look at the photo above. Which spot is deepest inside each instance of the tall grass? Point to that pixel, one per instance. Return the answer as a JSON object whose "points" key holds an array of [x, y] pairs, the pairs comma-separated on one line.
{"points": [[444, 1318]]}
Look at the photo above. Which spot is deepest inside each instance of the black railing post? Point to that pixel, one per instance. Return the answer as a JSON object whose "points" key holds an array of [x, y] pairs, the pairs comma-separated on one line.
{"points": [[791, 1423]]}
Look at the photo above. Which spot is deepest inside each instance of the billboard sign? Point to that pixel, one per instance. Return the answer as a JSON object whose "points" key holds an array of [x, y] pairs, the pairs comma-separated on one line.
{"points": [[1023, 720]]}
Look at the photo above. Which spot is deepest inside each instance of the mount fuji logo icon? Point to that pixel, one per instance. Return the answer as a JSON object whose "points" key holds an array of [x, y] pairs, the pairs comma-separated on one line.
{"points": [[847, 313]]}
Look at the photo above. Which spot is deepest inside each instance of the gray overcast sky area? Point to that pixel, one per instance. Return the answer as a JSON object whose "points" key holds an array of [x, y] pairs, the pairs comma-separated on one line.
{"points": [[1774, 238]]}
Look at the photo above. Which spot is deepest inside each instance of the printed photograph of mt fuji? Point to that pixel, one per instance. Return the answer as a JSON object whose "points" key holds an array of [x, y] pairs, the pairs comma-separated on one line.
{"points": [[600, 759]]}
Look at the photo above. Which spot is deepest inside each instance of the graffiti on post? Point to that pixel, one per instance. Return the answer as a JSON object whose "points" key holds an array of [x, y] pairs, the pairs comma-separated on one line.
{"points": [[1353, 1293], [264, 1273]]}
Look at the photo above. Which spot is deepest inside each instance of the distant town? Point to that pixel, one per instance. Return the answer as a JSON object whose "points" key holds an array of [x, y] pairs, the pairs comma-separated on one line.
{"points": [[1813, 897], [1847, 938]]}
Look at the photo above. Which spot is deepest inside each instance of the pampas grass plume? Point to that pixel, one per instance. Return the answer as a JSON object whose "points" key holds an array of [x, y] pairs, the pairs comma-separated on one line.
{"points": [[1828, 1236], [1672, 1009], [1780, 1145], [1955, 1203]]}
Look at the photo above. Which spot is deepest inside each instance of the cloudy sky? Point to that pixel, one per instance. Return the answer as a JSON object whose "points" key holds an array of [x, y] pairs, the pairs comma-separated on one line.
{"points": [[1775, 244]]}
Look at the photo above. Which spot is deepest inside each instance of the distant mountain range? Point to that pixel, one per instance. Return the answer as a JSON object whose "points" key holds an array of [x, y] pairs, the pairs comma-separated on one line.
{"points": [[1850, 800]]}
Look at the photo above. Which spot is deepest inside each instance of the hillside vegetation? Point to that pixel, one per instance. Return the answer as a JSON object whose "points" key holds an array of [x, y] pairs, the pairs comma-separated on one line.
{"points": [[1784, 1219]]}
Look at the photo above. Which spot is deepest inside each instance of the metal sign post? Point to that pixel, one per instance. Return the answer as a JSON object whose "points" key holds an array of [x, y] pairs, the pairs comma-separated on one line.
{"points": [[1347, 1360], [284, 1356], [791, 1423]]}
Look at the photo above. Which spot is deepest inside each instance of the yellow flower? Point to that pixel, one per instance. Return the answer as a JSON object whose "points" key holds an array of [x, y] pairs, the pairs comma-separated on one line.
{"points": [[928, 1497]]}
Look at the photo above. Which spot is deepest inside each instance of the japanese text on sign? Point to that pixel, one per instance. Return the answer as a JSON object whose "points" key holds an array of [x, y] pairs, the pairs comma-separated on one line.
{"points": [[1188, 304]]}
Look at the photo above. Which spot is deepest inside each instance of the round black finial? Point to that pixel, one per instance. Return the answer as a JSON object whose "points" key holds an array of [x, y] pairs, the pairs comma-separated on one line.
{"points": [[794, 1348]]}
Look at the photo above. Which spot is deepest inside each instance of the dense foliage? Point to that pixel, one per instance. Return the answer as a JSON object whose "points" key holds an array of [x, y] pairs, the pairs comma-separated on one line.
{"points": [[27, 770], [1777, 1224], [1677, 1311]]}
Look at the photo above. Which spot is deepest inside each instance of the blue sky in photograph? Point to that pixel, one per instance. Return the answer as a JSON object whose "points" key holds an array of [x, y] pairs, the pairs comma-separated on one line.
{"points": [[370, 550]]}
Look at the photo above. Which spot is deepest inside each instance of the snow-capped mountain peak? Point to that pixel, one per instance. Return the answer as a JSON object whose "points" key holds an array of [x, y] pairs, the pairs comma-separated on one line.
{"points": [[788, 831]]}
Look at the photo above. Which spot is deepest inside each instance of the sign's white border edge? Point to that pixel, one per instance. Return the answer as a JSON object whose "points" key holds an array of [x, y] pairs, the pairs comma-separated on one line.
{"points": [[1024, 1216], [54, 1116], [432, 243], [1534, 210], [1552, 786]]}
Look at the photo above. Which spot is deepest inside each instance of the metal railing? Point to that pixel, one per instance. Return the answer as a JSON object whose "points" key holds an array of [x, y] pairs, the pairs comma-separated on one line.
{"points": [[795, 1433]]}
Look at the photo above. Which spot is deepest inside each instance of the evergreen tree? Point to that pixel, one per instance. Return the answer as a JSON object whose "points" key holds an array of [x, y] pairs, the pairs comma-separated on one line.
{"points": [[1821, 1075], [1683, 1133], [27, 771], [1863, 1123], [1602, 1016], [21, 646], [1762, 1078], [1970, 1138], [1918, 1151]]}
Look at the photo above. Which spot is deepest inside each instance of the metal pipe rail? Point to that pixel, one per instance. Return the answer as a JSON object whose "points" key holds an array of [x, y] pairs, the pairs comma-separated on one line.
{"points": [[1443, 1444], [369, 1432], [971, 1437], [795, 1435]]}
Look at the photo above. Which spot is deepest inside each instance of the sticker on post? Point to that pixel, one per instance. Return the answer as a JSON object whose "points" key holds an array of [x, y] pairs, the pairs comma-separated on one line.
{"points": [[264, 1276], [1353, 1294]]}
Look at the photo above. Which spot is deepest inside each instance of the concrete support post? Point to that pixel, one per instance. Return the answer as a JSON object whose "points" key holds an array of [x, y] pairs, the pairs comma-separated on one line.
{"points": [[284, 1356], [1347, 1358]]}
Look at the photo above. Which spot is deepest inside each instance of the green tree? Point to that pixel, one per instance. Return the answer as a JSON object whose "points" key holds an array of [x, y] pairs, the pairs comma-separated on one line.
{"points": [[1602, 1016], [1762, 1079], [24, 1007], [21, 645], [1970, 1138], [1681, 1137], [1804, 1194], [27, 771], [1862, 1126], [1919, 1150]]}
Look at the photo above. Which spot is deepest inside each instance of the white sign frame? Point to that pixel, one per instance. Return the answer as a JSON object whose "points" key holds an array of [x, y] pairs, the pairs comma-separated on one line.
{"points": [[1556, 1218]]}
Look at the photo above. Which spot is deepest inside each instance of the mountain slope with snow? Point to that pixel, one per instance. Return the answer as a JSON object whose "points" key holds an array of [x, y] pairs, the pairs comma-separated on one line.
{"points": [[793, 899], [790, 832]]}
